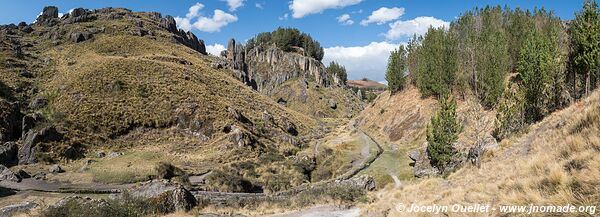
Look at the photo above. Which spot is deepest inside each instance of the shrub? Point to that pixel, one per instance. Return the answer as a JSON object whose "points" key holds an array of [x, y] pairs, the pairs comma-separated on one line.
{"points": [[510, 116], [442, 132]]}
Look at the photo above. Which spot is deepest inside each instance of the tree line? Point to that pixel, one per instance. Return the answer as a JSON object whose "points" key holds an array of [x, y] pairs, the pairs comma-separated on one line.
{"points": [[525, 64]]}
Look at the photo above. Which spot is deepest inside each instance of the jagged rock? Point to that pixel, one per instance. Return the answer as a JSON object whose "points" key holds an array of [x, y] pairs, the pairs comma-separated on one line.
{"points": [[238, 115], [364, 182], [11, 210], [48, 16], [239, 138], [56, 169], [100, 154], [8, 153], [138, 32], [38, 102], [81, 36], [155, 15], [288, 126], [22, 24], [421, 164], [168, 23], [484, 144], [113, 154], [26, 29], [8, 175], [27, 153], [79, 15], [216, 65], [10, 116], [172, 197]]}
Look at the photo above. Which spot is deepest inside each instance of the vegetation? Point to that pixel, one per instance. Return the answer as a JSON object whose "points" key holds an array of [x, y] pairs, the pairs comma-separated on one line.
{"points": [[124, 207], [442, 133], [585, 38], [396, 69], [289, 39], [338, 70], [436, 70]]}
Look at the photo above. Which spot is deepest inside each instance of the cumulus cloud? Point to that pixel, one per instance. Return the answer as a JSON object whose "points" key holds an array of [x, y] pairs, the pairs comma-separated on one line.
{"points": [[301, 8], [368, 61], [383, 15], [418, 26], [215, 49], [203, 23], [284, 17], [345, 20], [234, 4]]}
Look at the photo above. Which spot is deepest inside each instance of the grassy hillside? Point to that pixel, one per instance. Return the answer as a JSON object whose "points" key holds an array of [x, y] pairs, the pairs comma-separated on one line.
{"points": [[152, 100], [554, 163]]}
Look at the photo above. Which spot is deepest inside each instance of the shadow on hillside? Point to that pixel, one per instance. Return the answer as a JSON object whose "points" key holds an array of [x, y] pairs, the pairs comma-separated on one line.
{"points": [[4, 192]]}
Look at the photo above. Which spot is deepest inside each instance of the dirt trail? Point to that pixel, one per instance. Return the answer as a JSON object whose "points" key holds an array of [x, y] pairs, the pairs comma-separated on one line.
{"points": [[321, 211]]}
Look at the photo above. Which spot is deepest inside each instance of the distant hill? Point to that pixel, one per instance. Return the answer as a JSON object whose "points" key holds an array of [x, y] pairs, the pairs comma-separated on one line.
{"points": [[365, 84]]}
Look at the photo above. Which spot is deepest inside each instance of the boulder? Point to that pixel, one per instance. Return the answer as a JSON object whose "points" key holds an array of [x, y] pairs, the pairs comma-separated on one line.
{"points": [[363, 182], [421, 165], [26, 74], [8, 175], [80, 36], [332, 104], [27, 152], [172, 197], [238, 137], [39, 176], [56, 169], [8, 153], [48, 16]]}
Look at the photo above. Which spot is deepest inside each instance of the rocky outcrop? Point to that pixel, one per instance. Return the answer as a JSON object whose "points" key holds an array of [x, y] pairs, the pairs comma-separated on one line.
{"points": [[8, 153], [48, 17], [79, 15], [80, 36], [421, 164], [363, 182], [266, 67], [10, 116], [11, 210], [179, 36], [27, 152]]}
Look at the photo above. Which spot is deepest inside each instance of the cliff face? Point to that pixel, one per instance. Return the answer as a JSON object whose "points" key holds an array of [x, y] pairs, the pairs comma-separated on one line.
{"points": [[267, 67]]}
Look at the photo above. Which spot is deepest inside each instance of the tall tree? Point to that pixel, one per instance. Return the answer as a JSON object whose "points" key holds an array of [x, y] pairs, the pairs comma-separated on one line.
{"points": [[442, 133], [585, 36], [437, 63], [396, 69], [338, 70]]}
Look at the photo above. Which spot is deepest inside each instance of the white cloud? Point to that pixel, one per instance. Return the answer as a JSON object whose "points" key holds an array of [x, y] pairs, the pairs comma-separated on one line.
{"points": [[259, 6], [301, 8], [284, 17], [383, 15], [368, 61], [418, 26], [345, 20], [215, 49], [219, 20], [234, 4], [194, 11]]}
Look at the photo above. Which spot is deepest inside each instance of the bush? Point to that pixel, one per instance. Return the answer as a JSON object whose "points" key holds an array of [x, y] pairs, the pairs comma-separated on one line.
{"points": [[442, 132], [124, 207], [510, 116], [168, 171]]}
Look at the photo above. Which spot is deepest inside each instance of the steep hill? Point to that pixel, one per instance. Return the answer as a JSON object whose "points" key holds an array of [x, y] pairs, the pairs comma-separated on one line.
{"points": [[554, 163], [130, 85]]}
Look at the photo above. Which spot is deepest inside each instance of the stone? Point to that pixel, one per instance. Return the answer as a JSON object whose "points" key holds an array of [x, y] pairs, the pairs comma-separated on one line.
{"points": [[173, 197], [8, 175], [12, 210], [239, 138], [26, 74], [23, 174], [363, 182], [27, 29], [38, 102], [100, 154], [332, 104], [80, 36], [113, 154], [27, 152], [8, 153], [39, 176], [56, 169], [421, 165]]}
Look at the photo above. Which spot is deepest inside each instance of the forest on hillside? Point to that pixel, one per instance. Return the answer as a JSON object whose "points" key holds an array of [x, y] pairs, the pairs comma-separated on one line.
{"points": [[524, 64]]}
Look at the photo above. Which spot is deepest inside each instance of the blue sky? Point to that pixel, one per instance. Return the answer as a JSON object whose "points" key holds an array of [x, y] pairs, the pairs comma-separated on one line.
{"points": [[357, 33]]}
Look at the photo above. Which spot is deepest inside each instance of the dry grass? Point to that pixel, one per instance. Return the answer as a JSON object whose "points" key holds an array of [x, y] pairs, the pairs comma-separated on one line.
{"points": [[552, 164]]}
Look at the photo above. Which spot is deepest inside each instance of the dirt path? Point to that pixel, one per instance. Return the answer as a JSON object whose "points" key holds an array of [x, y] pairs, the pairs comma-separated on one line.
{"points": [[321, 211]]}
